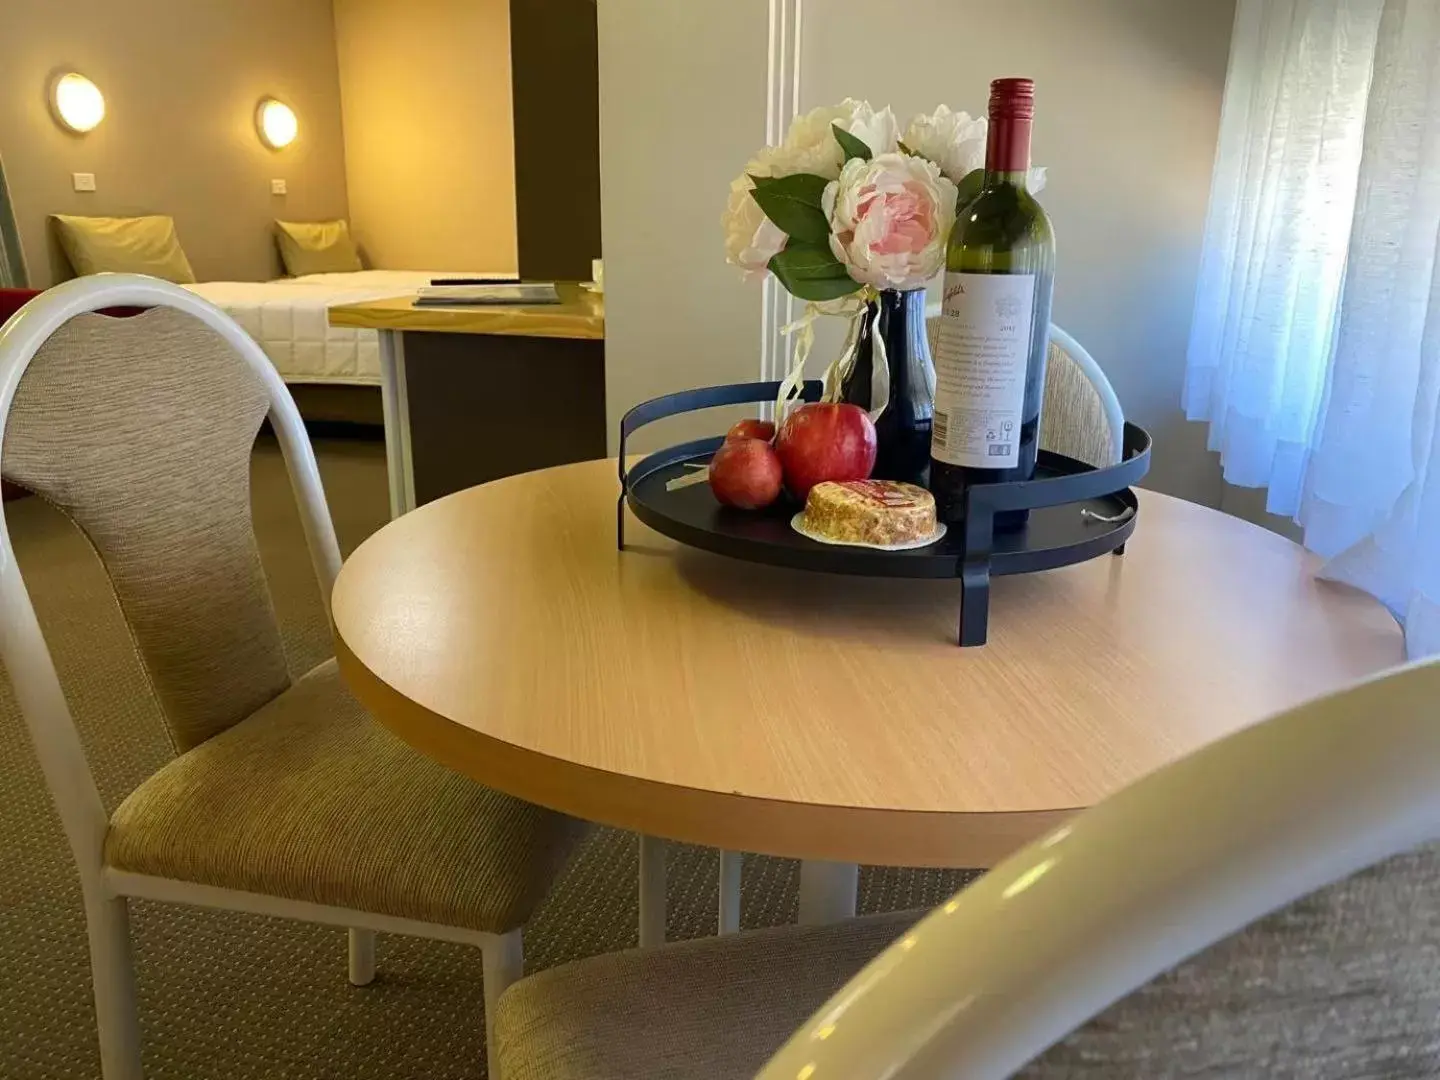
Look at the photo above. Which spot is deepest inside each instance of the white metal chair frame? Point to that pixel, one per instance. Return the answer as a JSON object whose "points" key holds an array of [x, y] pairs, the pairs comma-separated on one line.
{"points": [[1155, 874], [1114, 415], [57, 742]]}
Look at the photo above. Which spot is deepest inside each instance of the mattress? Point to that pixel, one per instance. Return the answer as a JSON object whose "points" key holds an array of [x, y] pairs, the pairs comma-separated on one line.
{"points": [[289, 319]]}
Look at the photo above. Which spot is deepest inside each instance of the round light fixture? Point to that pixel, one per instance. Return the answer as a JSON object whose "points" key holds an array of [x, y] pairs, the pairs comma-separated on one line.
{"points": [[276, 123], [77, 102]]}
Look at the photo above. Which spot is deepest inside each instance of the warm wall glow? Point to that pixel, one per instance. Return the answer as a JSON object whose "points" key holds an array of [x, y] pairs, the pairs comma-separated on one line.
{"points": [[276, 123], [78, 103]]}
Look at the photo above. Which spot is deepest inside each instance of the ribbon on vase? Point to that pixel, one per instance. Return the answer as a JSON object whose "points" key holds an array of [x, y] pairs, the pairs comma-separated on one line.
{"points": [[854, 308]]}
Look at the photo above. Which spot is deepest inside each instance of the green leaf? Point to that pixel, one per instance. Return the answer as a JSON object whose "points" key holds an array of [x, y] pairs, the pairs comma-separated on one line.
{"points": [[793, 204], [801, 259], [811, 272], [969, 186], [852, 146]]}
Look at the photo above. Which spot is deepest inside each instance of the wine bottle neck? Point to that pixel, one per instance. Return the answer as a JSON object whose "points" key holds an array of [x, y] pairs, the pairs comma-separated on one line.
{"points": [[1007, 150], [1018, 178]]}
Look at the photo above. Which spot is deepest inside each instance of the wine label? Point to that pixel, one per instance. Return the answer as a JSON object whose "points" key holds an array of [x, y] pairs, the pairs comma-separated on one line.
{"points": [[980, 362]]}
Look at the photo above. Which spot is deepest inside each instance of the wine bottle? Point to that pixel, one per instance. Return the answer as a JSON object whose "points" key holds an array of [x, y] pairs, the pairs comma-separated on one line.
{"points": [[995, 326]]}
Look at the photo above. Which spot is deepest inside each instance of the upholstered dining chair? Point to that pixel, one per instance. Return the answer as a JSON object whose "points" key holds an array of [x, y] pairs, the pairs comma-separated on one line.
{"points": [[284, 798], [1081, 416], [1268, 906]]}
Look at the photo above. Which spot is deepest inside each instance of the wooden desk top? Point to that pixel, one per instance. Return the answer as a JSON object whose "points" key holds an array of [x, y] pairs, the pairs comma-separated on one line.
{"points": [[698, 698], [580, 314]]}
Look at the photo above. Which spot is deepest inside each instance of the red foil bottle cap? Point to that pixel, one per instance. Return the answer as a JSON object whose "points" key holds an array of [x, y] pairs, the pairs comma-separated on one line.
{"points": [[1012, 99], [1012, 110]]}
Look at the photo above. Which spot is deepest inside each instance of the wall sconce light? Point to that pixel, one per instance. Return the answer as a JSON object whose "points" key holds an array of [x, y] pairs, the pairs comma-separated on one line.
{"points": [[275, 121], [77, 102]]}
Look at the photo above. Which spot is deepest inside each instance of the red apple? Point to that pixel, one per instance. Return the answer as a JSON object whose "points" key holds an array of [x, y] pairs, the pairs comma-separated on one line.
{"points": [[746, 473], [824, 441], [752, 429]]}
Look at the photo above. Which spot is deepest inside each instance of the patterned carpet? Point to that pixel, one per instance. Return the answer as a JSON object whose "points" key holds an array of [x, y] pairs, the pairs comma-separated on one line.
{"points": [[239, 997]]}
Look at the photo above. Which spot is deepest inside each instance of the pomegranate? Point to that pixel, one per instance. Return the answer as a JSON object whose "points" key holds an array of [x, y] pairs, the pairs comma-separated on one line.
{"points": [[752, 429], [745, 473], [825, 441]]}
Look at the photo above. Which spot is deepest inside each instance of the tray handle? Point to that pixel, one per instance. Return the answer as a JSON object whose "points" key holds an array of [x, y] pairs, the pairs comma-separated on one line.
{"points": [[707, 397]]}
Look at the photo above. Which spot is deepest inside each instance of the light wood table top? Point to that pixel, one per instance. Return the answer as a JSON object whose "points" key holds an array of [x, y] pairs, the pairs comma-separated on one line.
{"points": [[698, 698], [580, 314]]}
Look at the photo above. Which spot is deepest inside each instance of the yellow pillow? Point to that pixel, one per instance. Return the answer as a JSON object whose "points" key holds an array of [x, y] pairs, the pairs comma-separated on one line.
{"points": [[316, 247], [138, 245]]}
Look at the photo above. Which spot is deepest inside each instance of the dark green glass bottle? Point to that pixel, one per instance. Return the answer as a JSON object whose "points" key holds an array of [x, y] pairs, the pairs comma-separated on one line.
{"points": [[995, 327]]}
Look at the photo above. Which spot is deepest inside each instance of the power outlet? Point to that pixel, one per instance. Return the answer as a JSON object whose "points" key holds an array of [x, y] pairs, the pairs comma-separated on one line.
{"points": [[277, 187], [84, 181]]}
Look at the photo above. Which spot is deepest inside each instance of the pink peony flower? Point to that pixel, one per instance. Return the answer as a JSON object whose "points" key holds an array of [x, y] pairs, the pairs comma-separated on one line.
{"points": [[890, 218]]}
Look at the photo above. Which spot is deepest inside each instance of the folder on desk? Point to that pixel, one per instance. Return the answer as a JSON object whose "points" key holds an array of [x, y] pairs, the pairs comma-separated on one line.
{"points": [[476, 295]]}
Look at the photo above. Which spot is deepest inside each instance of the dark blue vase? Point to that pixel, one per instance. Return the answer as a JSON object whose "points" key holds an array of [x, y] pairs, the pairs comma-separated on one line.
{"points": [[903, 429]]}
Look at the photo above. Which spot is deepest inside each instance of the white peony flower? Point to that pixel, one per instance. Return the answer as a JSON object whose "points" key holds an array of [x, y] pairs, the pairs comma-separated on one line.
{"points": [[956, 142], [953, 140], [751, 238], [810, 145], [889, 219]]}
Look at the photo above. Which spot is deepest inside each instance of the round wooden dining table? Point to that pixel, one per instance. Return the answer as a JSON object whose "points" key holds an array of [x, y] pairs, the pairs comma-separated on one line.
{"points": [[833, 719]]}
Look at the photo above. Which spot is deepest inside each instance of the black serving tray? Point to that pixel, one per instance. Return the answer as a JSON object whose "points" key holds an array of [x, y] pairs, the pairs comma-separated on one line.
{"points": [[1067, 501]]}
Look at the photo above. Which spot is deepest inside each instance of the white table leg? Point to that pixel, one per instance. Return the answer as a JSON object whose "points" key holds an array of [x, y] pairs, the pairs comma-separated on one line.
{"points": [[652, 891], [395, 403], [730, 865], [827, 891]]}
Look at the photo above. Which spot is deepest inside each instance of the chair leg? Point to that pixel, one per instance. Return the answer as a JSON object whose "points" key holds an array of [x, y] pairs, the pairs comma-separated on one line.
{"points": [[730, 870], [112, 967], [362, 957], [503, 962], [652, 891]]}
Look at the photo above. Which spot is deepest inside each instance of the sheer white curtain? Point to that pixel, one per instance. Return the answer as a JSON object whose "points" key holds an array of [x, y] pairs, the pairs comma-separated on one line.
{"points": [[1316, 349]]}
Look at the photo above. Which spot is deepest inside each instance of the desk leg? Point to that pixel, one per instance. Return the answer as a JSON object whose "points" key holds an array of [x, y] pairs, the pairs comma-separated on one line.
{"points": [[395, 404], [729, 891], [827, 891], [652, 891]]}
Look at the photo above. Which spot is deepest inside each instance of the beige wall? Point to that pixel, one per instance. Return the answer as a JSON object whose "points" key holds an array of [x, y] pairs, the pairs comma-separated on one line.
{"points": [[181, 80], [682, 108], [1127, 113], [429, 135]]}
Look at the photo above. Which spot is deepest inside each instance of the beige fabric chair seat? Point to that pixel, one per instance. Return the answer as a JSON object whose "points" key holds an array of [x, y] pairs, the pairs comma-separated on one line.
{"points": [[310, 799], [1338, 985], [715, 1008]]}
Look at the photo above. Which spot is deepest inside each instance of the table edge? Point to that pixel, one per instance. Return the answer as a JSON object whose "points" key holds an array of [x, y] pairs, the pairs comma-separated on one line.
{"points": [[732, 821], [363, 315]]}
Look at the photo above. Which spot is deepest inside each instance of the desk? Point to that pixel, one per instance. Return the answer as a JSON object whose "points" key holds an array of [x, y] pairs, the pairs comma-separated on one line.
{"points": [[471, 394], [698, 698]]}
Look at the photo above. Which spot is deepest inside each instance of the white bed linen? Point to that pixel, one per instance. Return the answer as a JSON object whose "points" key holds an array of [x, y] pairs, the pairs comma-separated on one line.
{"points": [[289, 318]]}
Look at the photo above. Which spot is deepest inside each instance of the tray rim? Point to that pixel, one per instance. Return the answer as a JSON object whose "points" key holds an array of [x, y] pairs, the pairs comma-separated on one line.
{"points": [[946, 564], [977, 557]]}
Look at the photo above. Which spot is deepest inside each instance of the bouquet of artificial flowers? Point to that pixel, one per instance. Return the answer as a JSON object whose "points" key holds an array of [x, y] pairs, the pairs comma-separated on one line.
{"points": [[847, 206]]}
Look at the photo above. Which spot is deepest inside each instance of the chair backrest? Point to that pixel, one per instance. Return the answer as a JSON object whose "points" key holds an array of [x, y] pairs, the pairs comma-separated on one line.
{"points": [[1268, 906], [1080, 416], [141, 431]]}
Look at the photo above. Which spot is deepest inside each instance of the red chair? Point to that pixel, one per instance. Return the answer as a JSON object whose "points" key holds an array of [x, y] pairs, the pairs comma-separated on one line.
{"points": [[12, 300]]}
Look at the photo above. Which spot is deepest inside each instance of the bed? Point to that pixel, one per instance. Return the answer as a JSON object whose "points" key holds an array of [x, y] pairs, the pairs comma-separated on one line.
{"points": [[289, 319]]}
